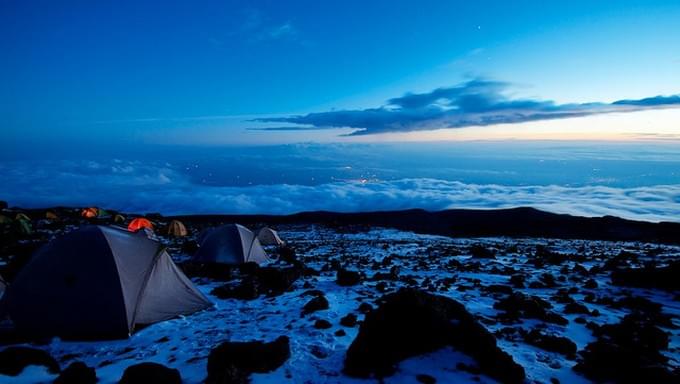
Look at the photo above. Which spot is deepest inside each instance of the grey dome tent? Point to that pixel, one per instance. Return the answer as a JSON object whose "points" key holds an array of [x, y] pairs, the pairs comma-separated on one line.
{"points": [[99, 283], [230, 244], [268, 236]]}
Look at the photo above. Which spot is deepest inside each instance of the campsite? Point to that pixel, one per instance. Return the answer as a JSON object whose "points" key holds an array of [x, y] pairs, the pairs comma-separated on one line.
{"points": [[203, 299]]}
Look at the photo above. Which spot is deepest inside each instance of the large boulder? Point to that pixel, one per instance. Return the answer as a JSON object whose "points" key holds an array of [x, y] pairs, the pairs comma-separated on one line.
{"points": [[150, 373], [659, 277], [233, 362], [628, 352], [13, 360], [77, 373], [412, 322], [519, 305], [346, 278]]}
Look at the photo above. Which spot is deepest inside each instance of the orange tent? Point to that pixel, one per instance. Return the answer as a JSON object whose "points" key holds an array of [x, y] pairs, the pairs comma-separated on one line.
{"points": [[89, 213], [139, 223]]}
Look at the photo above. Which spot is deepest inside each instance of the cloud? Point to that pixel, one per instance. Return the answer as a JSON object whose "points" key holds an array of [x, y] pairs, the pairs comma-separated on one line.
{"points": [[149, 187], [477, 102]]}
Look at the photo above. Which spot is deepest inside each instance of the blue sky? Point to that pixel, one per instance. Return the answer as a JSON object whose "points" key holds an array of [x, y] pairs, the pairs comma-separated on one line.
{"points": [[131, 70], [285, 106]]}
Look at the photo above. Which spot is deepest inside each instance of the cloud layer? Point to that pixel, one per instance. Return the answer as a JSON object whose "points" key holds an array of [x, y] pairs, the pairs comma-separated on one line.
{"points": [[138, 187], [478, 102]]}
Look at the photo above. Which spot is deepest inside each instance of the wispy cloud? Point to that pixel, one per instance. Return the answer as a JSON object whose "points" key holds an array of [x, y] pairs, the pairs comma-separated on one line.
{"points": [[477, 102], [256, 27], [145, 187]]}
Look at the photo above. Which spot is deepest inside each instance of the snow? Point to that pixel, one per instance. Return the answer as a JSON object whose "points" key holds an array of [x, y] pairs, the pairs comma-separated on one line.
{"points": [[184, 343]]}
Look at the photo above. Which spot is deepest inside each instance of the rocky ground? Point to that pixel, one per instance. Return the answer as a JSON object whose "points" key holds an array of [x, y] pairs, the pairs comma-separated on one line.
{"points": [[352, 304]]}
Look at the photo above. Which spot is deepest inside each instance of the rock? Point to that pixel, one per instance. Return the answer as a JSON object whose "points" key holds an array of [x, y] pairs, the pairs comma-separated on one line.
{"points": [[479, 251], [322, 324], [316, 304], [287, 254], [150, 373], [410, 323], [275, 281], [517, 281], [628, 352], [550, 343], [661, 278], [347, 278], [576, 308], [340, 333], [519, 305], [350, 320], [77, 373], [247, 289], [590, 284], [425, 379], [13, 360], [365, 308], [233, 362]]}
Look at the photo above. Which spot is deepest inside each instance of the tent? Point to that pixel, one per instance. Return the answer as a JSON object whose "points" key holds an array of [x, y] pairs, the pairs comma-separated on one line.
{"points": [[119, 219], [99, 283], [5, 220], [24, 227], [49, 215], [139, 223], [268, 236], [3, 286], [230, 244], [177, 228], [22, 216], [89, 213]]}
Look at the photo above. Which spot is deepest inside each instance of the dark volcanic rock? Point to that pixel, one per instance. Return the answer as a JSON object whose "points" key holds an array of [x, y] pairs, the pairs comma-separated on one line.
{"points": [[479, 251], [77, 373], [349, 321], [550, 343], [150, 373], [247, 289], [410, 323], [662, 278], [519, 305], [628, 352], [13, 360], [316, 304], [577, 308], [233, 362], [322, 324], [347, 278], [268, 280]]}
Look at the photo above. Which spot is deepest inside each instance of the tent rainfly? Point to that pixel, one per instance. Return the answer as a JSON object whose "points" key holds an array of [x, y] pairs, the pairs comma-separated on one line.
{"points": [[139, 223], [99, 283], [22, 216], [230, 244], [49, 215], [89, 213], [176, 228], [268, 236]]}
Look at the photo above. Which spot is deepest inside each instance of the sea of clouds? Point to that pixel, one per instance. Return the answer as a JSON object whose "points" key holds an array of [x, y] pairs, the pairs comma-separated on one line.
{"points": [[135, 186]]}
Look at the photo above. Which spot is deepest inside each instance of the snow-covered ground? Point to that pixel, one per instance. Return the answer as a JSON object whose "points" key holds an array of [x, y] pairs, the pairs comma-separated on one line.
{"points": [[317, 355]]}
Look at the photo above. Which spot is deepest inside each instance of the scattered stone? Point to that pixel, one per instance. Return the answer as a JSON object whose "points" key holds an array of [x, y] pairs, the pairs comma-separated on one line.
{"points": [[550, 343], [628, 352], [519, 305], [659, 277], [150, 373], [77, 373], [350, 320], [316, 304], [13, 360], [478, 251], [233, 362], [425, 379], [347, 278], [410, 323], [322, 324]]}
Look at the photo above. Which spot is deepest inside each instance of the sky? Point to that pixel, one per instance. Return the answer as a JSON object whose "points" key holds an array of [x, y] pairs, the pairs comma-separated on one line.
{"points": [[465, 88]]}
